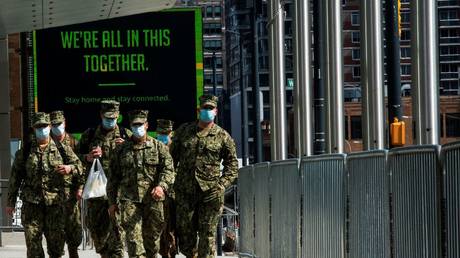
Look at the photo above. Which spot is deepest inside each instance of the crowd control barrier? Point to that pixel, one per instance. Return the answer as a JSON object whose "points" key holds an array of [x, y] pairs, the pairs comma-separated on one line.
{"points": [[402, 203]]}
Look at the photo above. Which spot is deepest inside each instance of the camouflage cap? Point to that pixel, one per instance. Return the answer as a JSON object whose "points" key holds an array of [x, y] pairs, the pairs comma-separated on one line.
{"points": [[57, 117], [110, 108], [164, 126], [40, 118], [138, 116], [210, 100]]}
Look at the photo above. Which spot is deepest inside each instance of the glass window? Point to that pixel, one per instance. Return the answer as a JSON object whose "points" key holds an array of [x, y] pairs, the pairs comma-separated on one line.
{"points": [[346, 128], [217, 11], [209, 11], [405, 35], [355, 36], [405, 69], [356, 72], [212, 44], [356, 127], [405, 52], [355, 54], [355, 19], [453, 124], [405, 17]]}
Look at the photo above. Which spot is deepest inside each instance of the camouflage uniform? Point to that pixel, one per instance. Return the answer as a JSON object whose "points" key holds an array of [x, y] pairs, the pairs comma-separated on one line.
{"points": [[42, 192], [135, 170], [199, 184], [168, 239], [72, 228], [105, 232]]}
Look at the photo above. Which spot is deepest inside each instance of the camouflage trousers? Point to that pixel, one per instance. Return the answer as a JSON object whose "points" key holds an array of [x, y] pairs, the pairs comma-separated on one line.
{"points": [[198, 211], [39, 219], [105, 232], [73, 230], [143, 224], [168, 239]]}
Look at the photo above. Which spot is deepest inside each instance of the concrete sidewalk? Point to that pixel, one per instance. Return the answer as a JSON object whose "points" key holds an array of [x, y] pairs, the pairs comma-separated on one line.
{"points": [[14, 247]]}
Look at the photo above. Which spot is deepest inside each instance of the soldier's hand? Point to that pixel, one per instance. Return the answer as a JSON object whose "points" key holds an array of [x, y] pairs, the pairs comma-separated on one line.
{"points": [[158, 193], [64, 169], [9, 211], [119, 141], [79, 194], [112, 210]]}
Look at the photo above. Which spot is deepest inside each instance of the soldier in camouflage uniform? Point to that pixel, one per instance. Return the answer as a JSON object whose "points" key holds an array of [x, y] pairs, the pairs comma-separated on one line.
{"points": [[198, 149], [100, 143], [168, 240], [39, 171], [141, 171], [73, 187]]}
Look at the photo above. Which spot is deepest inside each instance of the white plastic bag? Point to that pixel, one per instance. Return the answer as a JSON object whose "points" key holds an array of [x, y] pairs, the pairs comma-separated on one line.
{"points": [[96, 183]]}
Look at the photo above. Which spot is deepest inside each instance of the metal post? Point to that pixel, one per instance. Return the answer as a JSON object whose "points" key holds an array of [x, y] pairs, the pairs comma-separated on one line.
{"points": [[303, 80], [277, 81], [334, 77], [5, 155], [214, 76], [372, 74], [244, 107], [258, 107], [219, 236], [393, 62], [425, 73], [319, 68]]}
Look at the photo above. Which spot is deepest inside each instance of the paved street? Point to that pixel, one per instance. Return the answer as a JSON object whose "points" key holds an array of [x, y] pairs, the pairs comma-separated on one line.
{"points": [[14, 247]]}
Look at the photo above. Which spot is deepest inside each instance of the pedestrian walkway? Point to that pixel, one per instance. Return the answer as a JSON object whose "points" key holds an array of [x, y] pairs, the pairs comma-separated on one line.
{"points": [[14, 247]]}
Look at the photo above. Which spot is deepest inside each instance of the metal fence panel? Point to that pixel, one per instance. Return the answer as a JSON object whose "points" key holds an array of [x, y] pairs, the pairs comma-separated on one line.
{"points": [[261, 210], [285, 208], [368, 205], [323, 223], [451, 195], [246, 209], [416, 201]]}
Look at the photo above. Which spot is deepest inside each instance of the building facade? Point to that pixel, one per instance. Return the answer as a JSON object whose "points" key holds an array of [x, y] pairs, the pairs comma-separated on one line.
{"points": [[256, 64]]}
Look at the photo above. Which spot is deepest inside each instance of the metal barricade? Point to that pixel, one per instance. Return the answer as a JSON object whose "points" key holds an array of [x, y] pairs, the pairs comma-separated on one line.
{"points": [[451, 195], [246, 209], [415, 182], [285, 208], [368, 209], [323, 217], [262, 210]]}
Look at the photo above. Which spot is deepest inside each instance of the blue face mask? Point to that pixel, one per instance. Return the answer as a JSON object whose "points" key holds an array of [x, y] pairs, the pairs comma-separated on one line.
{"points": [[163, 138], [42, 133], [207, 115], [138, 131], [58, 130], [109, 123]]}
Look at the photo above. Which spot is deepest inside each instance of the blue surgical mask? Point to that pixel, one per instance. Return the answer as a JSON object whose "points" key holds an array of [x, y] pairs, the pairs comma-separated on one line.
{"points": [[163, 138], [207, 115], [109, 123], [42, 133], [58, 130], [138, 131]]}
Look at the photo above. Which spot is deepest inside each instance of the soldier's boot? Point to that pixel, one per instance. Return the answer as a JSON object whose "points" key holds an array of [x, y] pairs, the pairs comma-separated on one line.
{"points": [[73, 252], [104, 256]]}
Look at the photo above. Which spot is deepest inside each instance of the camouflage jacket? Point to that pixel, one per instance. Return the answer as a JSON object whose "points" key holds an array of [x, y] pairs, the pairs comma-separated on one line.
{"points": [[198, 155], [102, 138], [136, 169], [36, 176], [73, 182]]}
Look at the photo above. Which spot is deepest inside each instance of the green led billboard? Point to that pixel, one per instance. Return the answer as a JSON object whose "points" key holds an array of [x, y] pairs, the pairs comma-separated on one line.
{"points": [[149, 61]]}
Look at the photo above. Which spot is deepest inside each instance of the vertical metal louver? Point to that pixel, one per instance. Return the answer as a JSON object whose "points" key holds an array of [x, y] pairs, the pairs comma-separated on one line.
{"points": [[323, 206], [285, 195], [368, 205], [262, 210], [416, 201], [451, 195], [246, 211]]}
